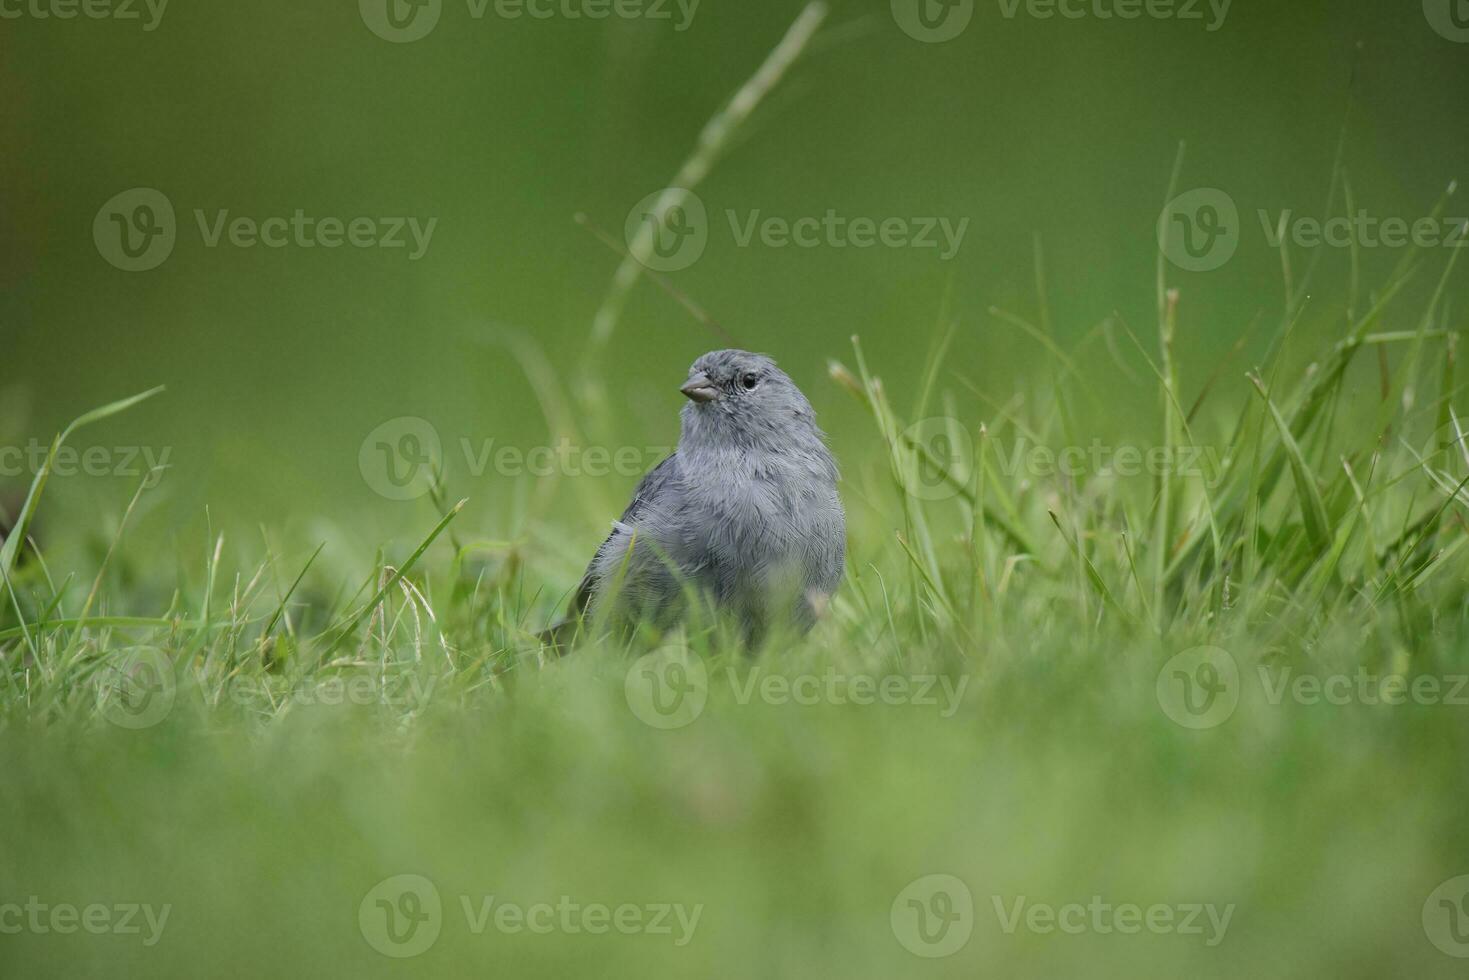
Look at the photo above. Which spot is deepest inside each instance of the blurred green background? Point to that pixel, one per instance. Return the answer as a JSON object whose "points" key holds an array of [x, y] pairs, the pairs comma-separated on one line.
{"points": [[280, 361]]}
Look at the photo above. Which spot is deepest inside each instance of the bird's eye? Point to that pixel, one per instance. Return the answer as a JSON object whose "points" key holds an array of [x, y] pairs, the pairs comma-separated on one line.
{"points": [[750, 382]]}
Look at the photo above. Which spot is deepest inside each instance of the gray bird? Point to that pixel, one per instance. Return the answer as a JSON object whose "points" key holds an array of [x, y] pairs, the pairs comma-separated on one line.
{"points": [[744, 513]]}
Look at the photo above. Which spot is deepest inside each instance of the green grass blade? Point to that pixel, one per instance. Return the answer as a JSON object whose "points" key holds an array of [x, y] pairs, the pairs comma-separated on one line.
{"points": [[347, 628], [1313, 511], [10, 552]]}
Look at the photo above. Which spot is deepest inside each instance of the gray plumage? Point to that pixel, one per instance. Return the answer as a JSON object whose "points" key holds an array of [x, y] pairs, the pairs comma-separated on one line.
{"points": [[745, 511]]}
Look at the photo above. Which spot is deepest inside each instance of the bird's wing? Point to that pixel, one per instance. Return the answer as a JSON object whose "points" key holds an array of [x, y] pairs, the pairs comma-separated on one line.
{"points": [[648, 490]]}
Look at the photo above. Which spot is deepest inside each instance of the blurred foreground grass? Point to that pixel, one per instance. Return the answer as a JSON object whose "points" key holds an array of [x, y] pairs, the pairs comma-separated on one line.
{"points": [[792, 829]]}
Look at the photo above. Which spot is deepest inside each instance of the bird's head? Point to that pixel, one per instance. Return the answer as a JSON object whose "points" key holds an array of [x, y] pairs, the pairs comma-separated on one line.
{"points": [[743, 399]]}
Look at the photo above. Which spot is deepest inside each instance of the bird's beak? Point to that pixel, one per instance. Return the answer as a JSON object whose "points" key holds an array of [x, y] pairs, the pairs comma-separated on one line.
{"points": [[699, 388]]}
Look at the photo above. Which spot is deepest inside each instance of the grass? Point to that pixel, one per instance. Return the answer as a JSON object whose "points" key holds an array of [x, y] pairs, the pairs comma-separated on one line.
{"points": [[1235, 686], [314, 746]]}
